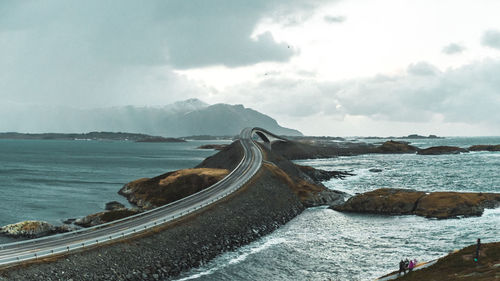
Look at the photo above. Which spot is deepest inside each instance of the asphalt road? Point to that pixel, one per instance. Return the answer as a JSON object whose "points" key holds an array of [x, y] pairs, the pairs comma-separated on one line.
{"points": [[46, 246]]}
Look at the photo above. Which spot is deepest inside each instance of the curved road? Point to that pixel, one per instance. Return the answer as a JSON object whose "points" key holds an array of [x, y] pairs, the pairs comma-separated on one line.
{"points": [[42, 247]]}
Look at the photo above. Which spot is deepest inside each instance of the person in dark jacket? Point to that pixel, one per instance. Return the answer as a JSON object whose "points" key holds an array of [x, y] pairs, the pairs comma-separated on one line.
{"points": [[401, 267], [478, 248]]}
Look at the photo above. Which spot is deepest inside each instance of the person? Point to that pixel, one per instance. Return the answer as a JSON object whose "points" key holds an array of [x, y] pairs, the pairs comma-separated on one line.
{"points": [[401, 267], [478, 248], [407, 263], [410, 266]]}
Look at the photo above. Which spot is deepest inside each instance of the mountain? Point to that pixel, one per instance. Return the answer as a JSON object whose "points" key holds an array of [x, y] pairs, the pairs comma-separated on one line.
{"points": [[224, 119], [183, 118]]}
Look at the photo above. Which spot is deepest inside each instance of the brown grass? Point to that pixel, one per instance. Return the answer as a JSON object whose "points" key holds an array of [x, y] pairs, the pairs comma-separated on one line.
{"points": [[301, 188], [175, 185]]}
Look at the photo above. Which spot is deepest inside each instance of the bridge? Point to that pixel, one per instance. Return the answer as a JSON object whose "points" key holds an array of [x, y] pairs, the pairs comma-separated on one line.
{"points": [[250, 164]]}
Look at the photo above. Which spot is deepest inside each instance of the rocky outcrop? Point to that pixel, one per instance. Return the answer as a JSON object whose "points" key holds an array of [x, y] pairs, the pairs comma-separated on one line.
{"points": [[228, 158], [213, 146], [395, 147], [319, 175], [438, 150], [485, 147], [439, 205], [444, 205], [383, 201], [324, 198], [104, 217], [295, 150], [32, 229], [114, 205], [150, 193]]}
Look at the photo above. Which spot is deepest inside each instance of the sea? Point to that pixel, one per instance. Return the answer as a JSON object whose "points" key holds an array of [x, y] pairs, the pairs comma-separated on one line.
{"points": [[55, 180]]}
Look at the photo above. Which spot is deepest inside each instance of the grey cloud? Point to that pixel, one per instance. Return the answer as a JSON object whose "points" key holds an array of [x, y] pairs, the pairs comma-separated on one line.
{"points": [[453, 48], [422, 68], [334, 19], [468, 94], [491, 38], [88, 53]]}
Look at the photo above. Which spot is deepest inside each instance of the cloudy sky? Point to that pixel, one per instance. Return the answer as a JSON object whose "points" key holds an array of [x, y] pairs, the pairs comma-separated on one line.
{"points": [[357, 67]]}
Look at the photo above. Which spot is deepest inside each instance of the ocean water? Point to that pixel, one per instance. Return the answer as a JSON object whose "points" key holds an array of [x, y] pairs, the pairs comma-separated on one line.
{"points": [[54, 180], [322, 244]]}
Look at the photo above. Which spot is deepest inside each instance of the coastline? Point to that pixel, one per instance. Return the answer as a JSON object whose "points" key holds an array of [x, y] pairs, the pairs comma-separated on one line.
{"points": [[384, 169], [186, 243]]}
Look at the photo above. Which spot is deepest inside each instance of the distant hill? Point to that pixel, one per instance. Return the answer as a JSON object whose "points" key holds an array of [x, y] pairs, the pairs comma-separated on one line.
{"points": [[184, 118]]}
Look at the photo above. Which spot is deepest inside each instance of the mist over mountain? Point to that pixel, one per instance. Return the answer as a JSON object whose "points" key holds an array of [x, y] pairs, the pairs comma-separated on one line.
{"points": [[184, 118]]}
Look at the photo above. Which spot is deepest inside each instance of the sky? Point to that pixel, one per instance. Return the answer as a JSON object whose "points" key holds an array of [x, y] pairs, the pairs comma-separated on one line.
{"points": [[338, 67]]}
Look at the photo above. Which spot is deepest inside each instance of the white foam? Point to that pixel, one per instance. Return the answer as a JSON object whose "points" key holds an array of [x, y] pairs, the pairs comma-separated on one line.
{"points": [[257, 249], [241, 255], [198, 275], [492, 212]]}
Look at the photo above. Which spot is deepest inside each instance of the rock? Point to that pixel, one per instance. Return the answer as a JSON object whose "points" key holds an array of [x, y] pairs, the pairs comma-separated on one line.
{"points": [[327, 197], [213, 146], [114, 205], [319, 175], [438, 150], [375, 170], [383, 201], [32, 229], [485, 147], [416, 136], [444, 205], [69, 221], [104, 217], [439, 205], [396, 147]]}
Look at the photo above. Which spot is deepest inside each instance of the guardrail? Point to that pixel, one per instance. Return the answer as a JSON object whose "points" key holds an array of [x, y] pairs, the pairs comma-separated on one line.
{"points": [[106, 238]]}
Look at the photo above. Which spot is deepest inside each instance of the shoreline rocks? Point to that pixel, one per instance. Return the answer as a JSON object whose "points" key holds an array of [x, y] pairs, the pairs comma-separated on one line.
{"points": [[213, 146], [438, 150], [104, 217], [32, 229], [319, 175], [485, 147], [114, 205], [441, 205], [396, 147]]}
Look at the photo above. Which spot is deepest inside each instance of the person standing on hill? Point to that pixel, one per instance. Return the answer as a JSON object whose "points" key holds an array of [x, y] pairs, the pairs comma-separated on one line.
{"points": [[401, 267], [478, 248], [410, 266]]}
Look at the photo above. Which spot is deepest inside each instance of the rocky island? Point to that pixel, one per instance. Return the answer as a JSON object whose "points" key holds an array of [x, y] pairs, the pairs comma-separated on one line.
{"points": [[440, 205]]}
